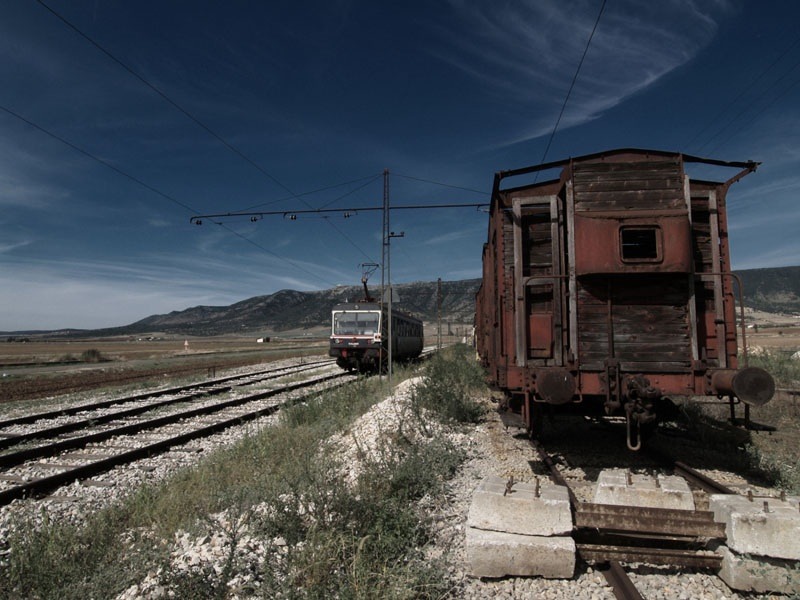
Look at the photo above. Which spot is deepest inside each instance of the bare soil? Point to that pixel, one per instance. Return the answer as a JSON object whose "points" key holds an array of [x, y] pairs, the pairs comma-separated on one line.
{"points": [[40, 368]]}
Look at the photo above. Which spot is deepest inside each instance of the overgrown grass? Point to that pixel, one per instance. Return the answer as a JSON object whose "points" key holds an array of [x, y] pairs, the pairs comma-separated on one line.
{"points": [[452, 377], [771, 457], [326, 536], [780, 365]]}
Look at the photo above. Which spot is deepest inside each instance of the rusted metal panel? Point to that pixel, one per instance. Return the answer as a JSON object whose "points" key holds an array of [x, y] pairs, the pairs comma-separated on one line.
{"points": [[571, 281], [520, 338], [540, 335], [599, 244], [687, 198]]}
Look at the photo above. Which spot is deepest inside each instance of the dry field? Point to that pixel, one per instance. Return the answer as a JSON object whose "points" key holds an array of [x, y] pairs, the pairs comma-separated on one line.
{"points": [[43, 367]]}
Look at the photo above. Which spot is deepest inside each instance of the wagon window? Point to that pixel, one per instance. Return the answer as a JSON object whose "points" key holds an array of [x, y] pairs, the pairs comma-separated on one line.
{"points": [[640, 244]]}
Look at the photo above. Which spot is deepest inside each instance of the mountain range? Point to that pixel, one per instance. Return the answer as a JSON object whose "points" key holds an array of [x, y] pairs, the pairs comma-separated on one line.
{"points": [[292, 310], [770, 290]]}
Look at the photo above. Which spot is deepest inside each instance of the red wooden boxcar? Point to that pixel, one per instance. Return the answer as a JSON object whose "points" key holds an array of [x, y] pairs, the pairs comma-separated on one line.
{"points": [[610, 286]]}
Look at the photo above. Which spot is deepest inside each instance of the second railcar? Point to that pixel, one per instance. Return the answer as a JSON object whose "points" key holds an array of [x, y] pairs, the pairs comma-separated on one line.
{"points": [[360, 333], [610, 286]]}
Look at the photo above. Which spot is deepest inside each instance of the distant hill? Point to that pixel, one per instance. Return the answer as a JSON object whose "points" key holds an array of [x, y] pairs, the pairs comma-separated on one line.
{"points": [[290, 309], [771, 290]]}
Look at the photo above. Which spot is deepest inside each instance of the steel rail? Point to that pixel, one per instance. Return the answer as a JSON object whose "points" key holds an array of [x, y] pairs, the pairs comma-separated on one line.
{"points": [[667, 522], [608, 533], [694, 477], [600, 553], [699, 480], [61, 412], [54, 448], [620, 583], [46, 484], [210, 388]]}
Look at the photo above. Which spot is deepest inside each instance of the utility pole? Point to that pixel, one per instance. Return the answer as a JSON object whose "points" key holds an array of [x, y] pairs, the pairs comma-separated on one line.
{"points": [[384, 244], [439, 313], [386, 267], [391, 235]]}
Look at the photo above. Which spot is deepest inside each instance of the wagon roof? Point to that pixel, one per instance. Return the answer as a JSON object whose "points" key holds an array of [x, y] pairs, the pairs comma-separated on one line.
{"points": [[745, 167]]}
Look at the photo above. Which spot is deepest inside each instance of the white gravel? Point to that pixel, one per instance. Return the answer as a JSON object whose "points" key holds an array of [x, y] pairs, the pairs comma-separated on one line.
{"points": [[72, 503], [491, 449]]}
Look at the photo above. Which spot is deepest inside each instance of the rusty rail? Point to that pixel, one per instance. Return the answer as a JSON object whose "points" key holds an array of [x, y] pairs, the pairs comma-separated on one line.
{"points": [[699, 480], [648, 521], [620, 583], [659, 536], [654, 556]]}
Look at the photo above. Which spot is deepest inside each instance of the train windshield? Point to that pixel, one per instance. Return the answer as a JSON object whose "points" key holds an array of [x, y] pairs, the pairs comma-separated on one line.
{"points": [[356, 323]]}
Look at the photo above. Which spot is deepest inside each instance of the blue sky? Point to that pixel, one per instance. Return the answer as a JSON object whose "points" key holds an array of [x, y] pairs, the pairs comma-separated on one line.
{"points": [[99, 174]]}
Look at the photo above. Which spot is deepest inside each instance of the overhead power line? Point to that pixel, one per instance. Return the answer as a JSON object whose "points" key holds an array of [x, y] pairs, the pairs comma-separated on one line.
{"points": [[152, 189], [767, 90], [353, 191], [750, 85], [96, 158], [572, 85], [455, 187], [197, 121], [316, 191]]}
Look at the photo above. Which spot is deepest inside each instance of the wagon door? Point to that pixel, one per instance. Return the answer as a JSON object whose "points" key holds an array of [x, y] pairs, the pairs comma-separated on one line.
{"points": [[538, 293], [633, 266]]}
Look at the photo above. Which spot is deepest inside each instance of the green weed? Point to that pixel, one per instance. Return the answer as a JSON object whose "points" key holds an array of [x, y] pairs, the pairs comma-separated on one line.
{"points": [[327, 537]]}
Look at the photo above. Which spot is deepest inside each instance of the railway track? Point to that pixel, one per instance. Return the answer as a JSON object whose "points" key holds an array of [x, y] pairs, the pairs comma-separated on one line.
{"points": [[132, 434], [13, 432], [609, 536]]}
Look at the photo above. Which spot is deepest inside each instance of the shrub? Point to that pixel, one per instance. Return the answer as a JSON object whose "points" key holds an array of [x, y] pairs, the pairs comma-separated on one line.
{"points": [[452, 377], [92, 355]]}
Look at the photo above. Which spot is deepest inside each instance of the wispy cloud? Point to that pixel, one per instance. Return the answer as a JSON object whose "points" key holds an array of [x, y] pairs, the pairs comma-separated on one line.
{"points": [[8, 247], [786, 254], [95, 293], [526, 53], [451, 237], [21, 175]]}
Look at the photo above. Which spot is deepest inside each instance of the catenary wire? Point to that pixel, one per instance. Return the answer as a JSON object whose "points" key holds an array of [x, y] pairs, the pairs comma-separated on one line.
{"points": [[151, 188], [213, 133], [749, 105], [456, 187], [316, 191], [572, 85], [741, 93], [353, 191]]}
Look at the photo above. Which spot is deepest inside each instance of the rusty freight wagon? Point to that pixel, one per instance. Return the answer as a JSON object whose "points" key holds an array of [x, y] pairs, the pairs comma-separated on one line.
{"points": [[609, 286]]}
